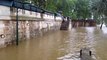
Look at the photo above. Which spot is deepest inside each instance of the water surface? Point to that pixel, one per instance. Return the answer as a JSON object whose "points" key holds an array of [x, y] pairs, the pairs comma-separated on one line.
{"points": [[60, 45]]}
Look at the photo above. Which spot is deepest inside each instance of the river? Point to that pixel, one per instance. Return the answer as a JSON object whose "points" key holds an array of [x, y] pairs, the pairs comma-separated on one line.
{"points": [[60, 45]]}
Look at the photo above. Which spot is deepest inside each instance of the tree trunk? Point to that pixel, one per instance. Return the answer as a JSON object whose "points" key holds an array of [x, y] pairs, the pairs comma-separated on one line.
{"points": [[55, 18], [41, 15], [102, 23]]}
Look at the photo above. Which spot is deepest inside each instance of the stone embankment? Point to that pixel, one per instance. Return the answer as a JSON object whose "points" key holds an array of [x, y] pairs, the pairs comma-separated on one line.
{"points": [[31, 24]]}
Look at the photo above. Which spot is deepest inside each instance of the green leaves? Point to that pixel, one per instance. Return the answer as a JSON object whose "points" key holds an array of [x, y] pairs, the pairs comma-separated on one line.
{"points": [[51, 5], [99, 8], [72, 8], [82, 8]]}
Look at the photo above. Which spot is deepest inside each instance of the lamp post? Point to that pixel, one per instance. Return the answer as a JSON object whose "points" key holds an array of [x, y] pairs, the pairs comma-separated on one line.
{"points": [[17, 34]]}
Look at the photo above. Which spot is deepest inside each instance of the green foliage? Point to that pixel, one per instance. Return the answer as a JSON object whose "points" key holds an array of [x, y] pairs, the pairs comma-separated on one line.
{"points": [[77, 9], [99, 8], [83, 9], [51, 5]]}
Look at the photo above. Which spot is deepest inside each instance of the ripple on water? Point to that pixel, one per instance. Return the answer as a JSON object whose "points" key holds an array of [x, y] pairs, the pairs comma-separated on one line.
{"points": [[70, 57], [75, 56]]}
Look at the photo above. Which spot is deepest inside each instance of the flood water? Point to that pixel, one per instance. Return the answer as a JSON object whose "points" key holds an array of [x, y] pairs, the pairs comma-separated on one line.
{"points": [[60, 45]]}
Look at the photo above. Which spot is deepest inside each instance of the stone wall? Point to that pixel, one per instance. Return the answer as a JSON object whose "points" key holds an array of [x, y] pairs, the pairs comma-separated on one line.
{"points": [[28, 29]]}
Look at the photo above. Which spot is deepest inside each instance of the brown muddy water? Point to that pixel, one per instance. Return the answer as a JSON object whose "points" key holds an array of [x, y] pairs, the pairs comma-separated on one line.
{"points": [[60, 45]]}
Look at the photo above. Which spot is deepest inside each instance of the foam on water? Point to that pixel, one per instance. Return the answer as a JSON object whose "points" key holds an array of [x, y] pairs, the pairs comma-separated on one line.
{"points": [[75, 56]]}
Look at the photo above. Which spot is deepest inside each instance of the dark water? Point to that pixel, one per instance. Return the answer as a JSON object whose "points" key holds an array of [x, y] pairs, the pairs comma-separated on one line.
{"points": [[60, 45]]}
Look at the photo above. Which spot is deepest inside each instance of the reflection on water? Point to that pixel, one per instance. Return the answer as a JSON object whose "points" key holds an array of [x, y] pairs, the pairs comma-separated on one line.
{"points": [[60, 45]]}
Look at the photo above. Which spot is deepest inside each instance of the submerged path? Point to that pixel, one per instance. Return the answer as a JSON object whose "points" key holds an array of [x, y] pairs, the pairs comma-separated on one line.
{"points": [[59, 45]]}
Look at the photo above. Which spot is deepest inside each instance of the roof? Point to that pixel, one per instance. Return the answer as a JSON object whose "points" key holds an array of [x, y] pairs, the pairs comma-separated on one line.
{"points": [[20, 5]]}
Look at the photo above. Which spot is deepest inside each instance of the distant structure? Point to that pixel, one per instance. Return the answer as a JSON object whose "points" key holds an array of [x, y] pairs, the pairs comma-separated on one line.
{"points": [[83, 23]]}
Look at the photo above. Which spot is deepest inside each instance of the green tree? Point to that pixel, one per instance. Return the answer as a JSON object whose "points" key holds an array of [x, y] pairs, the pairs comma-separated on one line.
{"points": [[99, 8], [82, 8], [73, 8]]}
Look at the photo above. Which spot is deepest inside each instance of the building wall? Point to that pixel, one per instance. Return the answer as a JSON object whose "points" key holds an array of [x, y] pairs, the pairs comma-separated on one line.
{"points": [[31, 25]]}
